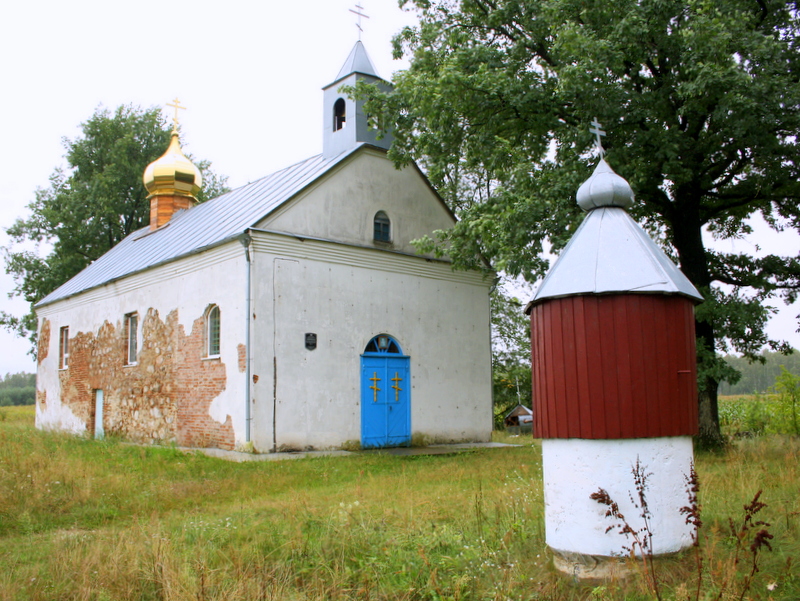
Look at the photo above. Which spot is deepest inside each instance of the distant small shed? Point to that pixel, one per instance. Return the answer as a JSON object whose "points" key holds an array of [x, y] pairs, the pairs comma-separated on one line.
{"points": [[519, 420]]}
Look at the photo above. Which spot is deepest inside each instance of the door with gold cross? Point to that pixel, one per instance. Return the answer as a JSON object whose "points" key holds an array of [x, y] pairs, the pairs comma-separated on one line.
{"points": [[385, 394]]}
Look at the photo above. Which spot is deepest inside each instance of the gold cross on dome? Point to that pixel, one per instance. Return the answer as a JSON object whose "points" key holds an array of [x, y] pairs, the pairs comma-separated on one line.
{"points": [[397, 389], [177, 105], [597, 130], [375, 379], [360, 13]]}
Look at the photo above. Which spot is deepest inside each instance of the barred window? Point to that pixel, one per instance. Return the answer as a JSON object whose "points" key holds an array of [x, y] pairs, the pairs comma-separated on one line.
{"points": [[213, 330]]}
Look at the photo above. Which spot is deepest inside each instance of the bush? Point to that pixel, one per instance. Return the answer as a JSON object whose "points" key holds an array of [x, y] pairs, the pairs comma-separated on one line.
{"points": [[17, 396], [787, 390]]}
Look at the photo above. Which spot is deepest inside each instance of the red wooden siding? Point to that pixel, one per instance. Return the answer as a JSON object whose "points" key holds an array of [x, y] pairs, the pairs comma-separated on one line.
{"points": [[616, 366]]}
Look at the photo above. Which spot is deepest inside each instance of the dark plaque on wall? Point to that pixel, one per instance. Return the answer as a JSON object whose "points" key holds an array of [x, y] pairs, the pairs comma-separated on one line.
{"points": [[311, 341]]}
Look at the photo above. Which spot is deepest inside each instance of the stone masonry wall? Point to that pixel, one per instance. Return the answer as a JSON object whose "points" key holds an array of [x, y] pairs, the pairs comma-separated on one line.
{"points": [[164, 397]]}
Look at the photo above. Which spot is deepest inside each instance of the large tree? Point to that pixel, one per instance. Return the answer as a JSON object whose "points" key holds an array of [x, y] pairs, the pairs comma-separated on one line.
{"points": [[89, 207], [701, 102]]}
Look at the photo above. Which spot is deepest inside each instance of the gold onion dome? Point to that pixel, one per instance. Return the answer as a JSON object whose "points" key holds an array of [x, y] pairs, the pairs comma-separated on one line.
{"points": [[173, 174]]}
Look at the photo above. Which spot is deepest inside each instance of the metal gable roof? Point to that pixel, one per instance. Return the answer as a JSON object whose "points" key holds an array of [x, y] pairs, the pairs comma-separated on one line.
{"points": [[204, 226]]}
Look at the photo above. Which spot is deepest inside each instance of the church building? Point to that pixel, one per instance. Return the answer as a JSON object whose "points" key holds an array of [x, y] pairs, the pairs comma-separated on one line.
{"points": [[292, 313]]}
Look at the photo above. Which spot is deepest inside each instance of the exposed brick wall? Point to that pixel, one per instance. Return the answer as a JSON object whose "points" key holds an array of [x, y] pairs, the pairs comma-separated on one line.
{"points": [[200, 380], [242, 352], [164, 206], [43, 341], [164, 397]]}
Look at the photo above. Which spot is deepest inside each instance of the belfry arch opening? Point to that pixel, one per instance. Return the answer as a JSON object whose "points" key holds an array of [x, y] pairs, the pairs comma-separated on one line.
{"points": [[339, 114]]}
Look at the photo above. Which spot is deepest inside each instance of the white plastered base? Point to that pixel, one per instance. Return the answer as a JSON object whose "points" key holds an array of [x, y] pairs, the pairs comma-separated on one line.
{"points": [[576, 468]]}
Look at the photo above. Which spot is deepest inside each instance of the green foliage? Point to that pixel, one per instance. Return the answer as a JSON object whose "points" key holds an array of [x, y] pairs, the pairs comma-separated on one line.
{"points": [[18, 380], [89, 207], [17, 389], [778, 413], [700, 101], [787, 389], [511, 355], [759, 375], [18, 396]]}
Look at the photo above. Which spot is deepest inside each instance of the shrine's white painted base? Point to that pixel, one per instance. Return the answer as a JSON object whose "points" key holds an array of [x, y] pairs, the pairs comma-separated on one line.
{"points": [[576, 468]]}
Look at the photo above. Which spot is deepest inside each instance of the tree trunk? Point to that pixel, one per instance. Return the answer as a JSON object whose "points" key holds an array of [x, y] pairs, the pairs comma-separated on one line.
{"points": [[688, 240], [709, 436]]}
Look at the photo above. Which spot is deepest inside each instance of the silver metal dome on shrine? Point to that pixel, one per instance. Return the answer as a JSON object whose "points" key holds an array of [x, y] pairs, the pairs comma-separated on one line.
{"points": [[610, 253], [604, 189]]}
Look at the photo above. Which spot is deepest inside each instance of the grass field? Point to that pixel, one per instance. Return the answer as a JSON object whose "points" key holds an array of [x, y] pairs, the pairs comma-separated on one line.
{"points": [[102, 520]]}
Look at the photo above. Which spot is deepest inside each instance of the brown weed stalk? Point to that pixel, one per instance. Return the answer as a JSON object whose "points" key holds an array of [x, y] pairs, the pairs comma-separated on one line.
{"points": [[750, 530], [641, 538], [692, 513]]}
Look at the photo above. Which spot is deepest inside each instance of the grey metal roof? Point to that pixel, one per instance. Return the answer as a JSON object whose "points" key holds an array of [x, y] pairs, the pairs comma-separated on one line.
{"points": [[199, 228], [357, 62], [610, 253]]}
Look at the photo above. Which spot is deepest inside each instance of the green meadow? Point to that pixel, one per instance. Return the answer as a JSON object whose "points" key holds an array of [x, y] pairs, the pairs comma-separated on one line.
{"points": [[103, 520]]}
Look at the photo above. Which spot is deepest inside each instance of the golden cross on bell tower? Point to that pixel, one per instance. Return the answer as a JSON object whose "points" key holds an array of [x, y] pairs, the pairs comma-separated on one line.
{"points": [[597, 130], [177, 105], [359, 11]]}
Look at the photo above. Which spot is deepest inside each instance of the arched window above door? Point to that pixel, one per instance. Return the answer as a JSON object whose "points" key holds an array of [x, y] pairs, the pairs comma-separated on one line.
{"points": [[383, 344]]}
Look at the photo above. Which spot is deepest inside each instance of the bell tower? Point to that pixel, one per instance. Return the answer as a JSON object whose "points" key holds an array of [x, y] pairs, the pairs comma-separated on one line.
{"points": [[345, 124]]}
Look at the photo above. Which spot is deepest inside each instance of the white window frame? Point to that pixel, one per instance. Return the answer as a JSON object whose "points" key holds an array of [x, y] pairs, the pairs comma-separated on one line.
{"points": [[63, 347], [131, 338]]}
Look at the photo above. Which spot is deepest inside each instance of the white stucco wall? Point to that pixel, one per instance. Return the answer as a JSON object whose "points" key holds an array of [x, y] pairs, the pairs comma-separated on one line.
{"points": [[576, 468], [347, 295], [342, 205], [190, 285]]}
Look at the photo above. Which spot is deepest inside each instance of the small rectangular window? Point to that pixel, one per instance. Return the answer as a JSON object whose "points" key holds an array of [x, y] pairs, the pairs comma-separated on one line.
{"points": [[132, 337], [63, 348]]}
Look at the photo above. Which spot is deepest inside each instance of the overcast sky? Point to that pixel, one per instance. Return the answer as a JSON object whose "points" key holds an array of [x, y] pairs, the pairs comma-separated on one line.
{"points": [[250, 75]]}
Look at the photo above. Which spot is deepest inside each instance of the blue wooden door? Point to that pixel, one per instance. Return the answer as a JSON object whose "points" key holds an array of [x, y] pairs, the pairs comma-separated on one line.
{"points": [[385, 397]]}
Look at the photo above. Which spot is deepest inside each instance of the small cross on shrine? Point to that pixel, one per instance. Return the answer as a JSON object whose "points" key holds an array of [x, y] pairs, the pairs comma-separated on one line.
{"points": [[598, 132], [177, 105], [359, 11]]}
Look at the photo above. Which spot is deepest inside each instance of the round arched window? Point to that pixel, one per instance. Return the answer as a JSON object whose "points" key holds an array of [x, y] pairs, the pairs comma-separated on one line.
{"points": [[383, 344], [383, 228], [212, 331]]}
